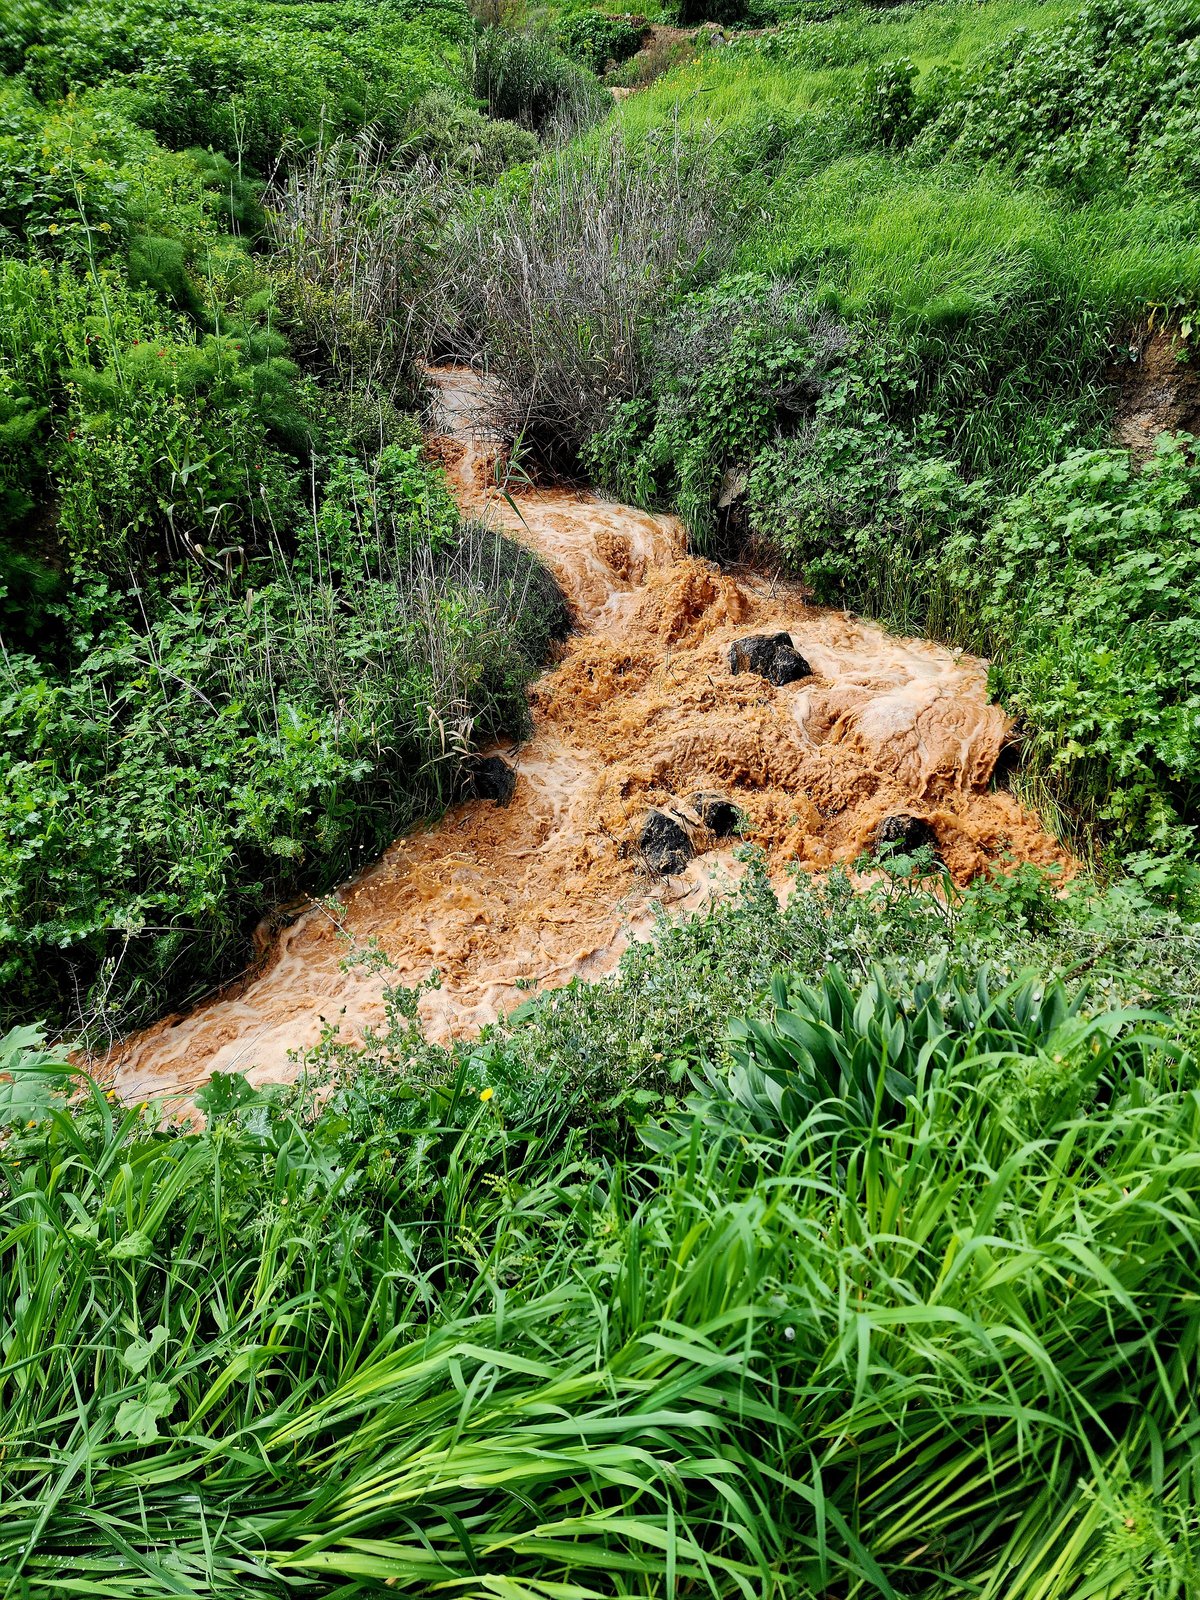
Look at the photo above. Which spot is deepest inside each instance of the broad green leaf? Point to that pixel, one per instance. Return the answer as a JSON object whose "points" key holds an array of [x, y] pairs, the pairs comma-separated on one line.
{"points": [[138, 1419]]}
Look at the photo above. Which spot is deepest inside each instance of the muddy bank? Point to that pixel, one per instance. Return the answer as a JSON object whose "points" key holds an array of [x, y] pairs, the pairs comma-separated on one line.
{"points": [[641, 711]]}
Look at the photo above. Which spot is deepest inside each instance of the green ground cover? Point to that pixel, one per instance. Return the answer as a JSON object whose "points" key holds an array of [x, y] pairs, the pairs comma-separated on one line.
{"points": [[884, 1291]]}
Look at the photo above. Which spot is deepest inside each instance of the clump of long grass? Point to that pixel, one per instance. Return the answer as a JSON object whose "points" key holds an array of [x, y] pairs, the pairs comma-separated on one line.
{"points": [[553, 280], [523, 76], [353, 229], [423, 1332]]}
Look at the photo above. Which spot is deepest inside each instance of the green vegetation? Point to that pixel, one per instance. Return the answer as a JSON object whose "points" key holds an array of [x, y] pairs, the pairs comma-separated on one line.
{"points": [[598, 40], [956, 224], [471, 1323], [844, 1245], [245, 638], [195, 770], [524, 77], [245, 78]]}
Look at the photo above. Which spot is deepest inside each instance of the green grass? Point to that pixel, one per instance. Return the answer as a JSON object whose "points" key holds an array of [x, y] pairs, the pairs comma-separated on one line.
{"points": [[885, 239], [451, 1332], [809, 64], [886, 236]]}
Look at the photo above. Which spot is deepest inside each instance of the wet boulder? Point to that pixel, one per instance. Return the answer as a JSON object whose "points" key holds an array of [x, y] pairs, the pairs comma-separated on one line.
{"points": [[490, 778], [664, 844], [903, 835], [719, 815], [772, 656]]}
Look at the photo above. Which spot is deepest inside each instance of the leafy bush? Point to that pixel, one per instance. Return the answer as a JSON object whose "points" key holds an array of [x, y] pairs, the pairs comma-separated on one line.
{"points": [[175, 446], [249, 78], [456, 139], [161, 438], [730, 366], [64, 179], [81, 181], [886, 106], [145, 402], [594, 38], [859, 506], [21, 22], [1084, 587], [1110, 95]]}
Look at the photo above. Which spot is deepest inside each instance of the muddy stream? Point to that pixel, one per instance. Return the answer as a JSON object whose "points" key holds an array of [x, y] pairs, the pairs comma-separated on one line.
{"points": [[641, 711]]}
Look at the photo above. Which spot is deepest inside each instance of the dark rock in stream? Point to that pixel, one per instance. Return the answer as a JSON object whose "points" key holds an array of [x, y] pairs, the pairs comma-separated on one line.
{"points": [[665, 846], [906, 835], [720, 816], [772, 656], [489, 778]]}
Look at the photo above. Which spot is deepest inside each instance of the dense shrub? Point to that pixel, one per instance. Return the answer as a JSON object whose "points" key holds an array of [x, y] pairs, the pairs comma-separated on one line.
{"points": [[249, 78], [731, 366], [152, 437], [457, 139], [886, 108], [1111, 95], [857, 507], [64, 179], [1085, 588], [21, 23], [595, 39]]}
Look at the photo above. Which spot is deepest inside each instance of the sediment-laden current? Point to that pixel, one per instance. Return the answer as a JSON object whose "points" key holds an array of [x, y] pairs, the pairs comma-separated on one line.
{"points": [[642, 711]]}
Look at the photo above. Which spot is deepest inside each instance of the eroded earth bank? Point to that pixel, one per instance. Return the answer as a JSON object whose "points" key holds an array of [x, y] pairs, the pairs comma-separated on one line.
{"points": [[641, 713]]}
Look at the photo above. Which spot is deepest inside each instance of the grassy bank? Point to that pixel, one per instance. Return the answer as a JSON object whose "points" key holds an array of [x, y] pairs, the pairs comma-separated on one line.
{"points": [[883, 1291], [245, 638]]}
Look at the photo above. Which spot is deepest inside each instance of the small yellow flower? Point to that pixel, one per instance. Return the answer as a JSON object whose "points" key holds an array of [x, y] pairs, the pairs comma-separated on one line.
{"points": [[486, 1094]]}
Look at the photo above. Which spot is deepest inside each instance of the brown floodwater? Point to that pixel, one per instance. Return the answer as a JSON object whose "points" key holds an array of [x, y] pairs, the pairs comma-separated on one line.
{"points": [[640, 711]]}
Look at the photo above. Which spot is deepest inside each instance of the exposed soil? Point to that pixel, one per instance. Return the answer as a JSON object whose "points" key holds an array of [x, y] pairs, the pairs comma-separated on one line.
{"points": [[1160, 392], [641, 713]]}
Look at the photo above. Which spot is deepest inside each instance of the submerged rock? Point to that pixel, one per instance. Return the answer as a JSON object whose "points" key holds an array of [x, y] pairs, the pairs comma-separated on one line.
{"points": [[490, 778], [905, 834], [664, 843], [719, 815], [772, 656]]}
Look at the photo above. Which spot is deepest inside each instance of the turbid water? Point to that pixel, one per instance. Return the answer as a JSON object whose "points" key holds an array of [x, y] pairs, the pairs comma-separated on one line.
{"points": [[641, 711]]}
